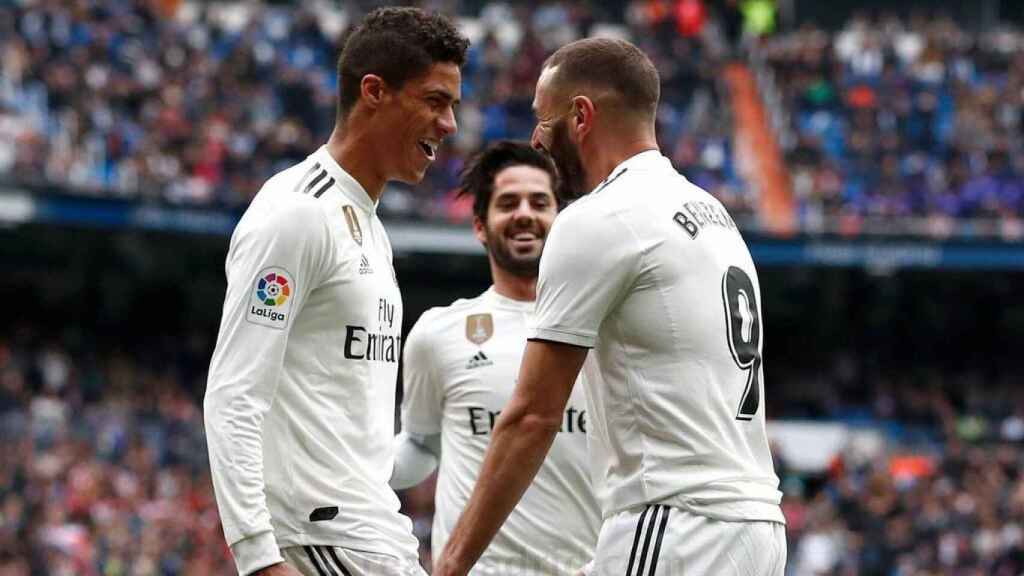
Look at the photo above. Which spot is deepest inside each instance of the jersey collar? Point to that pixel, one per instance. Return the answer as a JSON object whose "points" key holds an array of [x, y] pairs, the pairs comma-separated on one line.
{"points": [[508, 303], [645, 159], [344, 181]]}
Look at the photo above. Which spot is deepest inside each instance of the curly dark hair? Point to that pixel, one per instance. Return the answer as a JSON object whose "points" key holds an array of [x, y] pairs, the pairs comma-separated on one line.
{"points": [[477, 178], [396, 44]]}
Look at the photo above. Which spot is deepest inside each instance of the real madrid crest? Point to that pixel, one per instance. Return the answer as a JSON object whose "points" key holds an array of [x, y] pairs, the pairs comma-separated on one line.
{"points": [[353, 224], [479, 328]]}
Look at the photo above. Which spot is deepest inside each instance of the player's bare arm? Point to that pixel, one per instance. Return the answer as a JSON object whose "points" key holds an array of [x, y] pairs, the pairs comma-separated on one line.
{"points": [[281, 569], [521, 439]]}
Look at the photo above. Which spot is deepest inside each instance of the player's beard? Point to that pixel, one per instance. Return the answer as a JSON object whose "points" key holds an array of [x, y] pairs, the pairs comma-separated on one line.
{"points": [[521, 266], [567, 160]]}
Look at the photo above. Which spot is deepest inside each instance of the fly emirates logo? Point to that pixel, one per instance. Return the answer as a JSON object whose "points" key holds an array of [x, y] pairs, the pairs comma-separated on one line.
{"points": [[482, 420], [381, 345]]}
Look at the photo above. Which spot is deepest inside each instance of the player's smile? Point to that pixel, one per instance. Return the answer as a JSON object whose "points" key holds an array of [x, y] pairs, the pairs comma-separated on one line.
{"points": [[523, 234], [429, 148], [524, 241]]}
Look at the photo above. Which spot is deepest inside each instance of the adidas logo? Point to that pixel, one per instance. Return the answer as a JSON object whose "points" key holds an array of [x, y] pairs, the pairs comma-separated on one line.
{"points": [[478, 360], [364, 266]]}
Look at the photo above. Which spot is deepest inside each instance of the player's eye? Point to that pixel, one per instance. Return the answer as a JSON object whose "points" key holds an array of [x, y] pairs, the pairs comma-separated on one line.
{"points": [[540, 200]]}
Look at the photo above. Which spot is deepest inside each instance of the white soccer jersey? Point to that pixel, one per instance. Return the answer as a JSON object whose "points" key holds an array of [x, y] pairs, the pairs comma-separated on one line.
{"points": [[651, 272], [461, 365], [301, 391]]}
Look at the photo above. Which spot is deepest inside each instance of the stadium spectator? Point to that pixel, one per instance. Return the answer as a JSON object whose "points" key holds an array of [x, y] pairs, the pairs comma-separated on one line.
{"points": [[905, 120], [201, 104], [897, 121], [113, 481]]}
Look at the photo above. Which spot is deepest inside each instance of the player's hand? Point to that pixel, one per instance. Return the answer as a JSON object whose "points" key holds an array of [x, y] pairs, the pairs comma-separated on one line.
{"points": [[281, 569]]}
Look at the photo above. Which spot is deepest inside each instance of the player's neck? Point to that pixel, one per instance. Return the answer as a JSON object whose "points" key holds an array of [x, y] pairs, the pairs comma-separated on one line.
{"points": [[523, 289], [358, 160], [604, 157]]}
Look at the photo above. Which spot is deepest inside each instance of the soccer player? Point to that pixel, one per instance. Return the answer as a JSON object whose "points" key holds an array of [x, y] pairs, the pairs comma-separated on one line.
{"points": [[299, 406], [649, 273], [460, 368]]}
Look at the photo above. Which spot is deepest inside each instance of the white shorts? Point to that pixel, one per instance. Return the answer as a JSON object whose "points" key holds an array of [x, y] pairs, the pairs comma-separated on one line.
{"points": [[335, 561], [658, 540]]}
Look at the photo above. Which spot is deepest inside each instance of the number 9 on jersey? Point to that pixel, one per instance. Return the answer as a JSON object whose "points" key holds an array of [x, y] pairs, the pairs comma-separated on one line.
{"points": [[743, 326]]}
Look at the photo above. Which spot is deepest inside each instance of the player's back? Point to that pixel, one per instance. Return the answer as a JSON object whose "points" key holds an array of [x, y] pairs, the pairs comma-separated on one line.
{"points": [[674, 381]]}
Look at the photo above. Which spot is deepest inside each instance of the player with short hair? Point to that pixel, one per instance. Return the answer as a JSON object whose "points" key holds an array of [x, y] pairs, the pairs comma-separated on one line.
{"points": [[650, 274], [299, 406], [459, 372]]}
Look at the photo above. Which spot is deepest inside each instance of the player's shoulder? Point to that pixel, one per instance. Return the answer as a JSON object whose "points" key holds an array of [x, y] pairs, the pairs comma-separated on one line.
{"points": [[655, 178], [280, 201], [439, 319], [594, 213], [616, 194], [695, 191], [582, 209]]}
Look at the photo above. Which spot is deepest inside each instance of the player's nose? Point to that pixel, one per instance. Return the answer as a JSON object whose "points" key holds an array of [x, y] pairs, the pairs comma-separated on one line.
{"points": [[524, 212], [447, 123], [535, 139]]}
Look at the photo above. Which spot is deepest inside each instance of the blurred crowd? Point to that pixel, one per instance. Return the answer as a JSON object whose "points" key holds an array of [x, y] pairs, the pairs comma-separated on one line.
{"points": [[958, 512], [103, 471], [904, 118], [103, 468], [945, 496], [198, 103]]}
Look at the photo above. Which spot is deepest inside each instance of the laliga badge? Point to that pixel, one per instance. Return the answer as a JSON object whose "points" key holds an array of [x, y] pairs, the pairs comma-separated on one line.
{"points": [[270, 302]]}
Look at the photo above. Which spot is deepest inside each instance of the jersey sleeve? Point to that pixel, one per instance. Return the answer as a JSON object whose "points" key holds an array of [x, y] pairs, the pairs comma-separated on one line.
{"points": [[589, 261], [273, 263], [423, 398], [416, 457]]}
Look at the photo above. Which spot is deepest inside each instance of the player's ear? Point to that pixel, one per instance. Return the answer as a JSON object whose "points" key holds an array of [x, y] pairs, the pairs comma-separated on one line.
{"points": [[582, 118], [372, 90], [480, 230]]}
